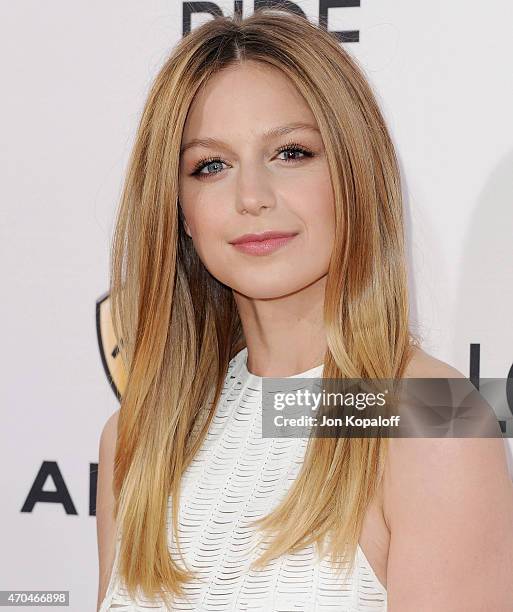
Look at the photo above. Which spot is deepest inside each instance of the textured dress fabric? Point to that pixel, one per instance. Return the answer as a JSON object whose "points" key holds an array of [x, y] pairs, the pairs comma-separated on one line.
{"points": [[236, 477]]}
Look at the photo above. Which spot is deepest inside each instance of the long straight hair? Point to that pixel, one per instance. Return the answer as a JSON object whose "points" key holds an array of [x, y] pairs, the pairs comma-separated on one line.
{"points": [[178, 327]]}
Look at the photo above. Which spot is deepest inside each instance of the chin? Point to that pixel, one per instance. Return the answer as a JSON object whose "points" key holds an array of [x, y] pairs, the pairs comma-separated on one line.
{"points": [[267, 290]]}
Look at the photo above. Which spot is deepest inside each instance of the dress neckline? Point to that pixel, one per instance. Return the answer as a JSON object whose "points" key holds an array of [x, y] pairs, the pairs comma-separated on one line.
{"points": [[242, 358]]}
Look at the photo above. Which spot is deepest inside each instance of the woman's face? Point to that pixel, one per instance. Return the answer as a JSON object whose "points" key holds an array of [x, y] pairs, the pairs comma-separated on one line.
{"points": [[256, 183]]}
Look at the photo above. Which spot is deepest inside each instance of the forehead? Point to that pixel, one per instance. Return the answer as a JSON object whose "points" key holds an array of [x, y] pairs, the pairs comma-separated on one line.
{"points": [[245, 99]]}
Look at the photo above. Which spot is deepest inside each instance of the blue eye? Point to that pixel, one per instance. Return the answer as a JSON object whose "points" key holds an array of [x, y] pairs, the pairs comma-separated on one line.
{"points": [[212, 161], [295, 149], [205, 163]]}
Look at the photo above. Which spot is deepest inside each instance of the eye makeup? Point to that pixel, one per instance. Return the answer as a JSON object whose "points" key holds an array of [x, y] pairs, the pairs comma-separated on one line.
{"points": [[291, 146]]}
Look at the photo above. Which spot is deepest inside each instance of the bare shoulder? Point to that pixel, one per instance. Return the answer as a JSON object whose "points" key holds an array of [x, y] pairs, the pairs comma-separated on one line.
{"points": [[448, 503], [109, 432], [105, 521], [424, 365]]}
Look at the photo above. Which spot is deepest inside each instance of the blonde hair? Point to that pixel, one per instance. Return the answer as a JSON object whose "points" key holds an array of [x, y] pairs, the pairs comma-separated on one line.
{"points": [[179, 327]]}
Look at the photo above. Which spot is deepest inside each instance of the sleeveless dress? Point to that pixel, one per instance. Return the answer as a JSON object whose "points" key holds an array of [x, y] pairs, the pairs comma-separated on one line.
{"points": [[236, 477]]}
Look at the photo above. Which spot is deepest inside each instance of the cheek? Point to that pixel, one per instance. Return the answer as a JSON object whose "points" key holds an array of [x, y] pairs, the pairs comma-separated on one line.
{"points": [[208, 227], [201, 214], [316, 207]]}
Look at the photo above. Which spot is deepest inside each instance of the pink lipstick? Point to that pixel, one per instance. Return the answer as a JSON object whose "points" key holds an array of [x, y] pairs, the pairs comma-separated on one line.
{"points": [[264, 243]]}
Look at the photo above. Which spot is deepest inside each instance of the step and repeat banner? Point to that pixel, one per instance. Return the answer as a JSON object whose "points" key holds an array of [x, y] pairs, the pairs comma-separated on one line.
{"points": [[74, 80]]}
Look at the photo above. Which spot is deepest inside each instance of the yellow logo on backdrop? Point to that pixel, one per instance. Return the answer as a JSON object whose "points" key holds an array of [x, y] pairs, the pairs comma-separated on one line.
{"points": [[108, 345]]}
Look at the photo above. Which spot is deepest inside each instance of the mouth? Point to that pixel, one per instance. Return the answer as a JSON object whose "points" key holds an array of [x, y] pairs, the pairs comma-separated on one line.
{"points": [[264, 243]]}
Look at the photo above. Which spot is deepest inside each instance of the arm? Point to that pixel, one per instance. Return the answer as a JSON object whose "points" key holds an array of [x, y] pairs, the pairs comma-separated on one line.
{"points": [[105, 523], [449, 505]]}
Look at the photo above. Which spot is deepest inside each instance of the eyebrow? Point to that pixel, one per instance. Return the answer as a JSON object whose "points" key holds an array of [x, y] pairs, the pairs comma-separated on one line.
{"points": [[267, 135]]}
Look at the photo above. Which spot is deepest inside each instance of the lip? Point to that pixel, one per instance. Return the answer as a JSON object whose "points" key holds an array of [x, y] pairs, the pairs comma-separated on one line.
{"points": [[262, 236], [263, 243]]}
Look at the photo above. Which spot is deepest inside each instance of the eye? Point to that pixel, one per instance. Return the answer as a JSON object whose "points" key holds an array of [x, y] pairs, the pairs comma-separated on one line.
{"points": [[295, 148], [213, 161], [205, 163]]}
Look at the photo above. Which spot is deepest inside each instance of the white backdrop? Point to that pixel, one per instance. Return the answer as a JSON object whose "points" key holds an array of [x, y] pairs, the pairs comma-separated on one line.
{"points": [[74, 79]]}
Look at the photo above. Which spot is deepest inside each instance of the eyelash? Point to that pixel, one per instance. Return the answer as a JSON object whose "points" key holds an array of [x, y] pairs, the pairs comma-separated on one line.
{"points": [[293, 146]]}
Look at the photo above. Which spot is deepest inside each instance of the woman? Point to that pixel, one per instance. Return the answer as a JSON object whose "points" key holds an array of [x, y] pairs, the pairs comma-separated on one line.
{"points": [[266, 124]]}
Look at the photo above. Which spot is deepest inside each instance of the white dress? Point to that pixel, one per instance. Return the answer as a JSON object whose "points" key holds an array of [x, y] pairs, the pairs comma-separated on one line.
{"points": [[236, 477]]}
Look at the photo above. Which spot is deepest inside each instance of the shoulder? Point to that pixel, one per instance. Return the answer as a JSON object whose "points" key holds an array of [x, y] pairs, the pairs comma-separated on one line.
{"points": [[424, 365], [448, 503], [109, 432], [105, 501], [429, 457], [104, 488], [107, 448]]}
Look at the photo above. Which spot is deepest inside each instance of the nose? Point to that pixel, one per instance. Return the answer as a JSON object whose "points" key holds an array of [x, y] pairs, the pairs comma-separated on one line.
{"points": [[254, 191]]}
